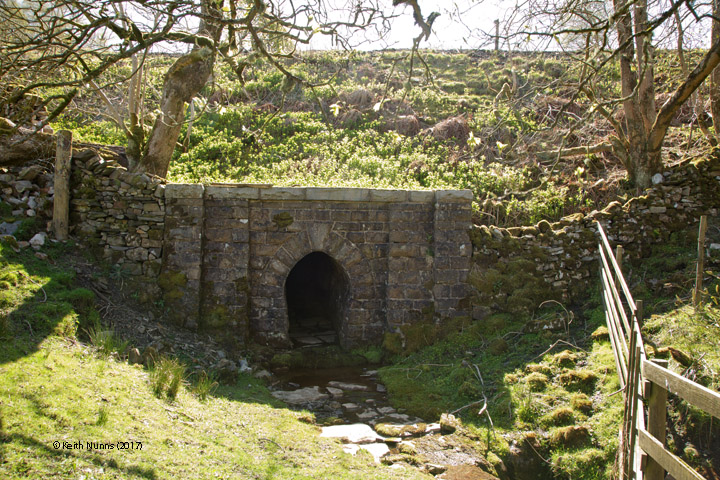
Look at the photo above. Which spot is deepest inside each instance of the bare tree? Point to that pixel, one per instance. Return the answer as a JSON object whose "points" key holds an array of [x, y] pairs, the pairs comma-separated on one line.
{"points": [[66, 46], [623, 37]]}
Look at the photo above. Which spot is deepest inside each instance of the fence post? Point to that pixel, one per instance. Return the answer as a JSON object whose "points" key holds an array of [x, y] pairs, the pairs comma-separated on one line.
{"points": [[629, 413], [657, 412], [61, 186], [497, 35], [619, 251], [700, 261]]}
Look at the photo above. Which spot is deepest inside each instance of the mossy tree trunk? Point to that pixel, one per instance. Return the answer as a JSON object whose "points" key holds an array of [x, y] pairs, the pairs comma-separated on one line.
{"points": [[183, 81], [639, 144]]}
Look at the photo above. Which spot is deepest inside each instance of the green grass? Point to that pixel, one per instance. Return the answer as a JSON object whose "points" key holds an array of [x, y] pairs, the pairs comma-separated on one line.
{"points": [[54, 388], [63, 392]]}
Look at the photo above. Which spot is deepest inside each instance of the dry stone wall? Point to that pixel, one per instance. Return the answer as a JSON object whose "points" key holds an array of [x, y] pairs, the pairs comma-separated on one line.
{"points": [[119, 214], [516, 269]]}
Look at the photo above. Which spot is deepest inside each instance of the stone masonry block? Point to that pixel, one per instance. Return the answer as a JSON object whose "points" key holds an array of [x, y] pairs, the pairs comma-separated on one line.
{"points": [[283, 193], [339, 194], [232, 192], [452, 196], [184, 190]]}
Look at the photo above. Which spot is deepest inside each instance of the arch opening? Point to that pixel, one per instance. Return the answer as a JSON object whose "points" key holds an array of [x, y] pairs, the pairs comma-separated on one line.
{"points": [[317, 293]]}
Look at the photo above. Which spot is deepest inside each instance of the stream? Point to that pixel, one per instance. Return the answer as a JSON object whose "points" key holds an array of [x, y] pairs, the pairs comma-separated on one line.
{"points": [[355, 406]]}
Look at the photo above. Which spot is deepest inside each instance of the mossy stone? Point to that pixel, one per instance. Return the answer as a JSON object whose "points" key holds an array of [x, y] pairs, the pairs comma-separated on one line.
{"points": [[282, 220], [171, 280], [498, 346], [392, 342]]}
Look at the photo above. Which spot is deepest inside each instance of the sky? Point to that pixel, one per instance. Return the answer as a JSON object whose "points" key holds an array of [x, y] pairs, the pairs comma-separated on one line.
{"points": [[462, 24]]}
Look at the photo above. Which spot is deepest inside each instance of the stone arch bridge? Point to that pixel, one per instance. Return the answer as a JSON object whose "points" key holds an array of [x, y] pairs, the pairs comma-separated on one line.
{"points": [[334, 264]]}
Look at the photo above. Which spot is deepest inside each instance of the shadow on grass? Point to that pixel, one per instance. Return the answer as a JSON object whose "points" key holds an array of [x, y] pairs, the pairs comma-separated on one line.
{"points": [[56, 307], [41, 448]]}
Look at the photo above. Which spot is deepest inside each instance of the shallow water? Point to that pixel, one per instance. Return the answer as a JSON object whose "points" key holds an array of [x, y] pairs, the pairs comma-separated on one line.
{"points": [[355, 394]]}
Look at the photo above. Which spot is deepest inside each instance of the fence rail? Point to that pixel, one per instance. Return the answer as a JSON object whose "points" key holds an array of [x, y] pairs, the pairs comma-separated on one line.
{"points": [[645, 382]]}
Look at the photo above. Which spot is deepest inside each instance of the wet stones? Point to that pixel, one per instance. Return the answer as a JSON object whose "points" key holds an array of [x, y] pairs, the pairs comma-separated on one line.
{"points": [[302, 396]]}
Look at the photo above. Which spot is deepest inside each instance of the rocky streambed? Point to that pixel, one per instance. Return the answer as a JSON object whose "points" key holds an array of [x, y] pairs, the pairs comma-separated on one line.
{"points": [[355, 409]]}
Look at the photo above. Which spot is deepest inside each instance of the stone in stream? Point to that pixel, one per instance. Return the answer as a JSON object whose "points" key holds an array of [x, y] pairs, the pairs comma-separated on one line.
{"points": [[348, 386], [335, 392], [377, 450], [432, 428], [400, 417], [303, 395], [355, 433], [351, 407], [434, 469], [308, 341], [367, 415], [386, 410]]}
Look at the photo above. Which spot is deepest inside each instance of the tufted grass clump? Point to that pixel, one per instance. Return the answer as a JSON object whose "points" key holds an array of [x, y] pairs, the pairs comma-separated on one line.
{"points": [[204, 384], [166, 378], [582, 403], [536, 381], [578, 380], [566, 358], [561, 416], [106, 341], [102, 416], [572, 436]]}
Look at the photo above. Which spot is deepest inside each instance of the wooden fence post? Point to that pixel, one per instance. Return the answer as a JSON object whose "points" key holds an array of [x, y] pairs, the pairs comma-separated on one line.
{"points": [[657, 412], [61, 187], [619, 251], [699, 272], [497, 35]]}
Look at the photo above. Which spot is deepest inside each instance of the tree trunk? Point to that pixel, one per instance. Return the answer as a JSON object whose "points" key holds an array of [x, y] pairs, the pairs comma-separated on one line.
{"points": [[183, 81], [185, 78], [635, 144], [645, 62], [715, 76]]}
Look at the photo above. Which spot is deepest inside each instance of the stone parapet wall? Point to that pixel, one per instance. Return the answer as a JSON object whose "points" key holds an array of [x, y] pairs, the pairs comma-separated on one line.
{"points": [[216, 257], [516, 269]]}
